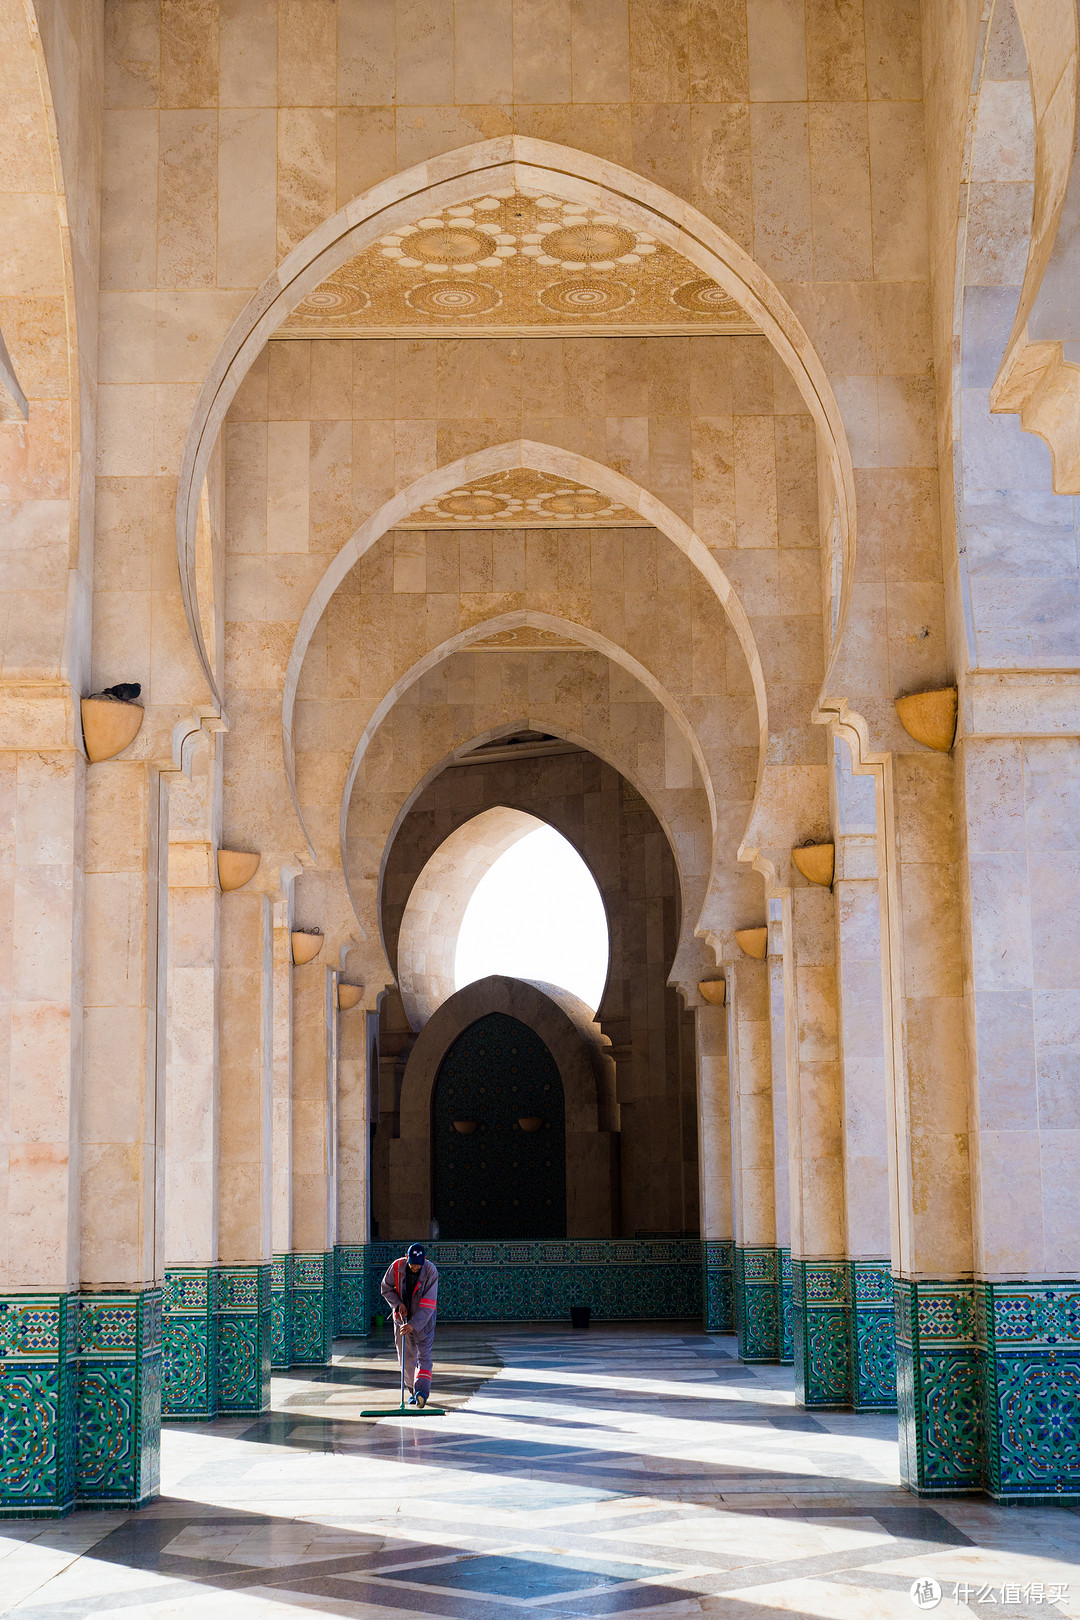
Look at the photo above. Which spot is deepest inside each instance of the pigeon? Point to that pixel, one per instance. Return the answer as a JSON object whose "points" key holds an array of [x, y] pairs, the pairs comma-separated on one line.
{"points": [[124, 691]]}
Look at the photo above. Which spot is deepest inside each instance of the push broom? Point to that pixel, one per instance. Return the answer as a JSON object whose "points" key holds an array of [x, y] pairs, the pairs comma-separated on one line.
{"points": [[403, 1410]]}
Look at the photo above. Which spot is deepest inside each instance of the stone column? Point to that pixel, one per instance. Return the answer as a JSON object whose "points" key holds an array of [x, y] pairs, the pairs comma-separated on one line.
{"points": [[358, 1048], [781, 1165], [189, 1388], [864, 1118], [756, 1260], [819, 1273], [246, 1062], [281, 1272], [714, 1159], [1020, 804], [314, 1149], [122, 1134], [42, 779]]}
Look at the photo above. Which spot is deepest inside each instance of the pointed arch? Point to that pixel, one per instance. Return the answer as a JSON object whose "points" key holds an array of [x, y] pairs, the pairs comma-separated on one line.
{"points": [[562, 171]]}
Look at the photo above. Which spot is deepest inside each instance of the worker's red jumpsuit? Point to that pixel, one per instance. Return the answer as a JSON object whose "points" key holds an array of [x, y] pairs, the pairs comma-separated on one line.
{"points": [[416, 1347]]}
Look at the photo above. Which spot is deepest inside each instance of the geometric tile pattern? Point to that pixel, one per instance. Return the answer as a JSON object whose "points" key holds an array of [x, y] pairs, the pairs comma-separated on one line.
{"points": [[718, 1285], [190, 1343], [281, 1316], [786, 1317], [821, 1307], [872, 1330], [352, 1302], [118, 1410], [937, 1387], [757, 1299], [38, 1387], [310, 1304], [622, 1279], [243, 1338], [1028, 1353]]}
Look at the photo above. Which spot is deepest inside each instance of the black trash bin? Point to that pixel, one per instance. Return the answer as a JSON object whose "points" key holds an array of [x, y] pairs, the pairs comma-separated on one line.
{"points": [[580, 1315]]}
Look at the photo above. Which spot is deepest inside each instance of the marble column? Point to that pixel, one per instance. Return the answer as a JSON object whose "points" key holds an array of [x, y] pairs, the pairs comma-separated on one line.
{"points": [[819, 1273], [1020, 820], [781, 1166], [122, 1257], [42, 780], [314, 1159], [281, 1274], [245, 1161], [750, 1066], [714, 1162], [866, 1100], [358, 1047]]}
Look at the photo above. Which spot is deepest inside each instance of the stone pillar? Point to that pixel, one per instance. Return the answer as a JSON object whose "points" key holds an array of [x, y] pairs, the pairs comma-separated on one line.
{"points": [[1020, 819], [190, 1385], [42, 778], [781, 1166], [246, 1063], [819, 1273], [122, 1135], [864, 1118], [714, 1160], [358, 1056], [281, 1272], [936, 1374], [756, 1259], [314, 1149]]}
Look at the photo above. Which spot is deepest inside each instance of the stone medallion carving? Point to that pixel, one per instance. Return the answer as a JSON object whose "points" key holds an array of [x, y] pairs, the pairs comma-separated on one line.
{"points": [[522, 499], [519, 264]]}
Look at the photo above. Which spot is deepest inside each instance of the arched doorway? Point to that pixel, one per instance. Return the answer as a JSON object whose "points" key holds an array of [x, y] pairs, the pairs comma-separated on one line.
{"points": [[498, 1128]]}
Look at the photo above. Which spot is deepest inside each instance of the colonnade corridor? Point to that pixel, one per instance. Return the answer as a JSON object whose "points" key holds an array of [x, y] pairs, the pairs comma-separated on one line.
{"points": [[630, 1469]]}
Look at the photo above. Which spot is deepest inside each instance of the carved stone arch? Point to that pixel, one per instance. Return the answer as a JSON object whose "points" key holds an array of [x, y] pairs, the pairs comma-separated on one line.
{"points": [[565, 1026], [455, 177]]}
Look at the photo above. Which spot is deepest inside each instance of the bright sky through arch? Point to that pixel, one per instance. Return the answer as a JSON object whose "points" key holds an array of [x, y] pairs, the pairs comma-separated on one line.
{"points": [[537, 914]]}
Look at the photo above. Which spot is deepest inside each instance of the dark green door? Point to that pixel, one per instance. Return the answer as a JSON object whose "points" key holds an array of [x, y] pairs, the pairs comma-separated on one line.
{"points": [[499, 1179]]}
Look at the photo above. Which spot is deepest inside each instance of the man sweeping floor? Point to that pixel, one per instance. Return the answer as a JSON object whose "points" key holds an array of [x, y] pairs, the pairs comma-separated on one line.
{"points": [[411, 1288]]}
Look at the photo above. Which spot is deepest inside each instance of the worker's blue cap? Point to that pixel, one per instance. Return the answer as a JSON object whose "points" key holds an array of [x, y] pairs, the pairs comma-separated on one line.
{"points": [[416, 1254]]}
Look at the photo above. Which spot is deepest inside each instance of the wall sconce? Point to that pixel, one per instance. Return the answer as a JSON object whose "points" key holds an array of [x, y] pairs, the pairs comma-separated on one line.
{"points": [[306, 945], [465, 1127], [816, 862], [753, 942], [533, 1123], [930, 717], [235, 867], [111, 720], [714, 991], [348, 995]]}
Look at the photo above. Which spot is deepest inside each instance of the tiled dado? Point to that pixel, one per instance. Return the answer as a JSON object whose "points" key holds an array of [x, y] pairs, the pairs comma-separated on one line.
{"points": [[80, 1401], [281, 1319], [353, 1301], [718, 1285], [216, 1340], [310, 1309], [757, 1302], [872, 1336], [785, 1308], [988, 1377]]}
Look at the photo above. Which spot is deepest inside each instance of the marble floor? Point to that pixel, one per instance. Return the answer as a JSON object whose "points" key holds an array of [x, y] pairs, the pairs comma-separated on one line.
{"points": [[632, 1470]]}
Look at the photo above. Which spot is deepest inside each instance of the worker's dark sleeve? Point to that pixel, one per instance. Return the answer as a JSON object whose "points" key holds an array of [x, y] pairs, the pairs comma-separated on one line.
{"points": [[388, 1291]]}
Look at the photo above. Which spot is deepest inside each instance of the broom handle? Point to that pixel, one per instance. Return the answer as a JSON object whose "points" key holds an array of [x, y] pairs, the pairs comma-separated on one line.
{"points": [[402, 1358]]}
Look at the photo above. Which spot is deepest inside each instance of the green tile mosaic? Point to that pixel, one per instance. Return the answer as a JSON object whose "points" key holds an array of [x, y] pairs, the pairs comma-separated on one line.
{"points": [[244, 1338], [1028, 1352], [820, 1308], [937, 1387], [190, 1343], [622, 1279], [718, 1285], [118, 1415], [872, 1336], [311, 1302], [757, 1299], [786, 1318], [281, 1316], [38, 1391], [353, 1301]]}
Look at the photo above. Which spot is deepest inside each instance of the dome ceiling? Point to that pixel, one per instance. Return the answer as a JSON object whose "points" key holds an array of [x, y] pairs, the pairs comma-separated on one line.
{"points": [[522, 498], [517, 264]]}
